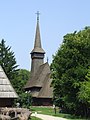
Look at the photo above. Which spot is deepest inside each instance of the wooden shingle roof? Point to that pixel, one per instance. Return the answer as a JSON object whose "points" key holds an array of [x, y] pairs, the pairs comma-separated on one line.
{"points": [[46, 90], [42, 81], [37, 45], [38, 79], [6, 89]]}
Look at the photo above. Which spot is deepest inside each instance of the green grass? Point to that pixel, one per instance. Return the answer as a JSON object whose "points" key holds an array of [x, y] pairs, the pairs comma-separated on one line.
{"points": [[43, 110], [35, 118], [50, 111]]}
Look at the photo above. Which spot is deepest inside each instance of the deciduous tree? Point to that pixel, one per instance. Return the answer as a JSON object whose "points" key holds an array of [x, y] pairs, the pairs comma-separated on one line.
{"points": [[69, 69]]}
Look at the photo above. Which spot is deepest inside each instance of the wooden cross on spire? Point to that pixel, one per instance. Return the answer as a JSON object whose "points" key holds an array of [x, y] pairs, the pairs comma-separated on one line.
{"points": [[38, 13]]}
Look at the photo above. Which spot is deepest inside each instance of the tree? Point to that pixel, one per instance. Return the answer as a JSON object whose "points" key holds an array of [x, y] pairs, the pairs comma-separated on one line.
{"points": [[69, 69], [18, 77], [84, 94], [8, 61], [20, 81]]}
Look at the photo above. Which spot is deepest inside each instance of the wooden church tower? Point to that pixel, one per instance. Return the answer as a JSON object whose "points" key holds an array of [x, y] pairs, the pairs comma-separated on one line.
{"points": [[39, 83], [37, 54]]}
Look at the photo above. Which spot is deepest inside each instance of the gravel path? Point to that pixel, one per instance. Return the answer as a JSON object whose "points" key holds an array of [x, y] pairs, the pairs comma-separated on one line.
{"points": [[47, 117]]}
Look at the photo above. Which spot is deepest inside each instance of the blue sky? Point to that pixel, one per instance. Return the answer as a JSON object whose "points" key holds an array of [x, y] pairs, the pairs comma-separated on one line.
{"points": [[58, 17]]}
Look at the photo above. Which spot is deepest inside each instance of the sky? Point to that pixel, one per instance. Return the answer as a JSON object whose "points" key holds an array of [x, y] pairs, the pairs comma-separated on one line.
{"points": [[57, 18]]}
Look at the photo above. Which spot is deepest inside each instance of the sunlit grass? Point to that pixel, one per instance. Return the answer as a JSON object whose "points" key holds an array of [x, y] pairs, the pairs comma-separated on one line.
{"points": [[50, 111], [34, 118]]}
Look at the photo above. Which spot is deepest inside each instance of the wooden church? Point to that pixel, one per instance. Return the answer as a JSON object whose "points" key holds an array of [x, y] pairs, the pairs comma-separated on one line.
{"points": [[7, 92], [39, 83]]}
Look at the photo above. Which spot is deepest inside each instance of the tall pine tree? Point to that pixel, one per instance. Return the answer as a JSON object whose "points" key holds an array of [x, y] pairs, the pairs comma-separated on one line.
{"points": [[8, 61]]}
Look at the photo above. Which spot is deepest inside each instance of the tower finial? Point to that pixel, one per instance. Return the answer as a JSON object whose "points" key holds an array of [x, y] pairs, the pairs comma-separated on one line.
{"points": [[38, 13]]}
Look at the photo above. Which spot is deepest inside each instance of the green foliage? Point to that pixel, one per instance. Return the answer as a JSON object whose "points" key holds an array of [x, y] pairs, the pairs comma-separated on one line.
{"points": [[69, 69], [20, 80], [8, 61], [17, 77], [84, 94], [24, 99]]}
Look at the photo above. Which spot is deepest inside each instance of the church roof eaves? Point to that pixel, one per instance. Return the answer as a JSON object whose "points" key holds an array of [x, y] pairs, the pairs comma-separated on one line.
{"points": [[37, 50]]}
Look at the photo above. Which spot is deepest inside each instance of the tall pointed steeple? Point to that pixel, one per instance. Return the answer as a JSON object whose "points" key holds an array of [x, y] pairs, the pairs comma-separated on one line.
{"points": [[37, 54], [37, 44], [40, 82]]}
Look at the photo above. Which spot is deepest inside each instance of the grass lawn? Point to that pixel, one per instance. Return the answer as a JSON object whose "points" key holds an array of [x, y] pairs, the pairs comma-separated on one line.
{"points": [[35, 118], [50, 111]]}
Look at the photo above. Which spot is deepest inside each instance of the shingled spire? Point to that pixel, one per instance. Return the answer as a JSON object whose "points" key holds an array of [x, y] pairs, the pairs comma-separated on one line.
{"points": [[37, 44], [37, 54]]}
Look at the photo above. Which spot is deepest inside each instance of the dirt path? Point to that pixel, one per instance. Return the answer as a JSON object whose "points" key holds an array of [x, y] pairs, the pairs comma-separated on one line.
{"points": [[47, 117]]}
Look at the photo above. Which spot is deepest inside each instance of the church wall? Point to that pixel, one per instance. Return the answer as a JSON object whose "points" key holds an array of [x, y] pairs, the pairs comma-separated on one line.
{"points": [[42, 101], [36, 64]]}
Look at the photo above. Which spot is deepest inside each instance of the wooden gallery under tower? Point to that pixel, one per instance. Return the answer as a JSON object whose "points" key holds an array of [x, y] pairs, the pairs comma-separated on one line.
{"points": [[39, 83]]}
